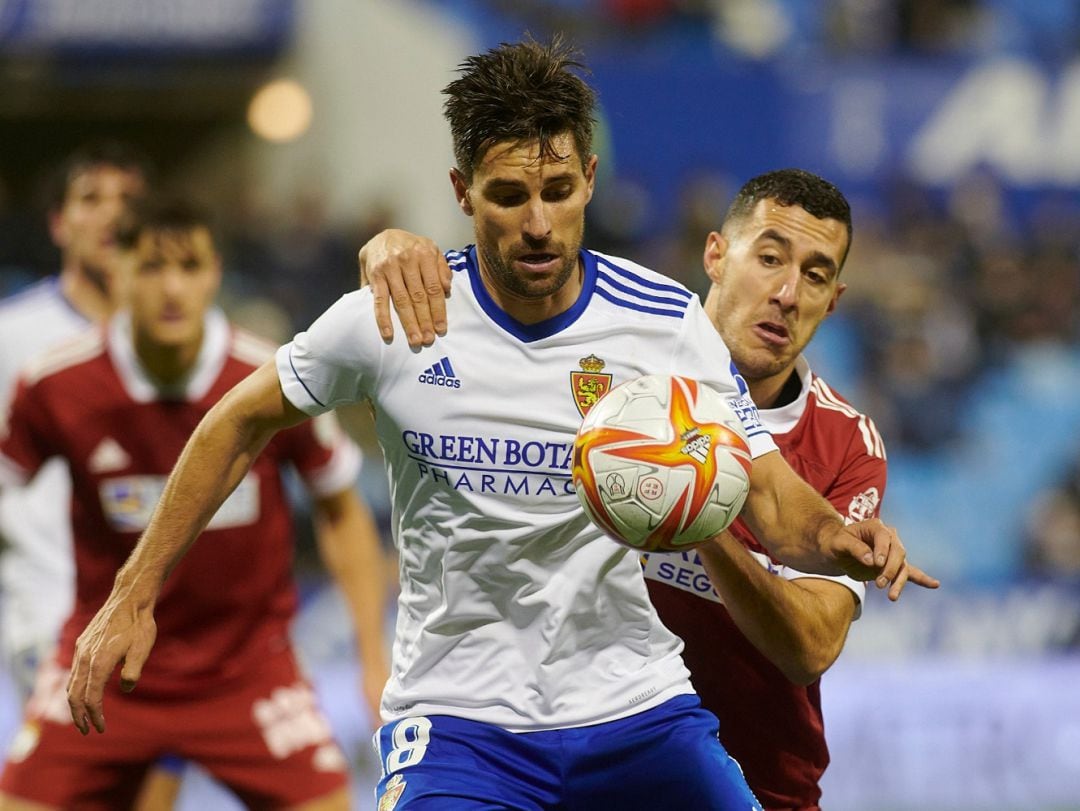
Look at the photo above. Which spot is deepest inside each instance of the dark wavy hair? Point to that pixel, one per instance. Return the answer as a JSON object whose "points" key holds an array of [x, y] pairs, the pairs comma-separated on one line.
{"points": [[106, 152], [793, 187], [519, 92], [162, 214]]}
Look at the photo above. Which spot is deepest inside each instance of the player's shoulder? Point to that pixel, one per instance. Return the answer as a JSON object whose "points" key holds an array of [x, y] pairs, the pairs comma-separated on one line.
{"points": [[67, 357], [633, 287], [41, 299], [833, 412]]}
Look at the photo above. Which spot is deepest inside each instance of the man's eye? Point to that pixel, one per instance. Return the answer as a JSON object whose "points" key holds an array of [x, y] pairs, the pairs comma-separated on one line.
{"points": [[770, 259], [558, 193], [508, 200]]}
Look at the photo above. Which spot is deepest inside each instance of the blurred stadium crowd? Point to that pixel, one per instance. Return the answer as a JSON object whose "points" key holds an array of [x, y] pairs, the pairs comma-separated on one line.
{"points": [[762, 28]]}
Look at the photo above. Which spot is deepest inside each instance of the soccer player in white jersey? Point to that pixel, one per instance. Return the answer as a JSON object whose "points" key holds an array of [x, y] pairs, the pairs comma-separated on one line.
{"points": [[757, 634], [94, 187], [530, 669]]}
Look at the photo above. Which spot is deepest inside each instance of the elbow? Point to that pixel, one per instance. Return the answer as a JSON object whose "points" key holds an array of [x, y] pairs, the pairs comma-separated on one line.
{"points": [[804, 671], [809, 662]]}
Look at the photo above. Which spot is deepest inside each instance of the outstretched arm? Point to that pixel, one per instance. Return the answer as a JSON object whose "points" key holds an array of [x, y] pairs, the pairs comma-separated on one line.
{"points": [[349, 545], [411, 272], [213, 462], [798, 526], [799, 625]]}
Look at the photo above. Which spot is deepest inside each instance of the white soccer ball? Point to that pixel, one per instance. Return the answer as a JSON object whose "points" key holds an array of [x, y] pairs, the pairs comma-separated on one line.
{"points": [[662, 463]]}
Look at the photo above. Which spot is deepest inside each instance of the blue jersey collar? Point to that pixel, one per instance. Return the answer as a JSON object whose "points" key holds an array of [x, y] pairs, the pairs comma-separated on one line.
{"points": [[542, 329]]}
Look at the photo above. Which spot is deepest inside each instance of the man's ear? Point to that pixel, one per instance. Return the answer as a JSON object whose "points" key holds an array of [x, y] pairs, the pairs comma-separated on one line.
{"points": [[840, 288], [461, 191], [57, 228], [590, 176], [715, 250]]}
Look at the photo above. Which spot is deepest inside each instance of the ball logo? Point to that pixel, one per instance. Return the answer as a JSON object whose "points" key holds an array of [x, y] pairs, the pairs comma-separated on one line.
{"points": [[651, 488], [616, 484], [697, 445]]}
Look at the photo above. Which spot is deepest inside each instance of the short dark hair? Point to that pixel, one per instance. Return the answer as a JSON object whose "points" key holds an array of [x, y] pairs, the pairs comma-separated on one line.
{"points": [[107, 152], [793, 187], [519, 92], [168, 214]]}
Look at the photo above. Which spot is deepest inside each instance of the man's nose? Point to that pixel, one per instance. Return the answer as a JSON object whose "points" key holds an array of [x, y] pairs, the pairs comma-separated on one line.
{"points": [[537, 225], [786, 291], [113, 208]]}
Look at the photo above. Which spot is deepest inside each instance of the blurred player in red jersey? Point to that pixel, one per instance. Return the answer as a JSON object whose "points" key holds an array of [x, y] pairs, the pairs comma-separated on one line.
{"points": [[93, 188], [223, 689], [758, 635]]}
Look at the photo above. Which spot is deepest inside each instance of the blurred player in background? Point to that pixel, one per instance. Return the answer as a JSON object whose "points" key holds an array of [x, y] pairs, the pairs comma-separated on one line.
{"points": [[530, 669], [224, 689], [760, 634], [91, 192], [94, 188]]}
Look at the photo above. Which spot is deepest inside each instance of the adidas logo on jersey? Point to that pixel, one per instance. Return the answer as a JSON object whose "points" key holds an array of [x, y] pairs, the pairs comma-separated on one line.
{"points": [[440, 374], [107, 457]]}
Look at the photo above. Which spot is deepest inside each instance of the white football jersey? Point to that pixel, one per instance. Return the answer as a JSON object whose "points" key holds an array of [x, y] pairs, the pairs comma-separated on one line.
{"points": [[515, 610], [37, 567]]}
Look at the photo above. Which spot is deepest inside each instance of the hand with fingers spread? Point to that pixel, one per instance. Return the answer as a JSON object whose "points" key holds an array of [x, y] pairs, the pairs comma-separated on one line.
{"points": [[122, 632], [411, 272]]}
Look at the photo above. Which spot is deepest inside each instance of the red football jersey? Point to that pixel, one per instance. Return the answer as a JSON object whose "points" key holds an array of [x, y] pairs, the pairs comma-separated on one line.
{"points": [[231, 597], [771, 726]]}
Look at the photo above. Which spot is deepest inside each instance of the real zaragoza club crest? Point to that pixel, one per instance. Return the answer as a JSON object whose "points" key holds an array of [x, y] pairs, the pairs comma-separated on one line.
{"points": [[590, 384], [395, 787]]}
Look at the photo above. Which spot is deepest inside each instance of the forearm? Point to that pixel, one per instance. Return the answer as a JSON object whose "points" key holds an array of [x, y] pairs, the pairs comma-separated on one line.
{"points": [[800, 626], [349, 545], [214, 460], [789, 517]]}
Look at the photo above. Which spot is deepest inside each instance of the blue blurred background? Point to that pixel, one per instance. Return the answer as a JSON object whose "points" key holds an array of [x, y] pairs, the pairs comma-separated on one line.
{"points": [[952, 125]]}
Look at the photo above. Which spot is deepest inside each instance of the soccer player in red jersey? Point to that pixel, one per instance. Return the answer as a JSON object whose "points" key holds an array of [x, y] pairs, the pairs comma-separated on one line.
{"points": [[223, 688], [758, 634]]}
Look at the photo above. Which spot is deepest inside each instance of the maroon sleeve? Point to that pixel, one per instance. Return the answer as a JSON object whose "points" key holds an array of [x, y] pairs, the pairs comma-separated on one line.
{"points": [[859, 488], [26, 433]]}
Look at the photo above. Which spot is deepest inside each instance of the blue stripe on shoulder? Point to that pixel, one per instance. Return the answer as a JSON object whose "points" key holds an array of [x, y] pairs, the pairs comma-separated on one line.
{"points": [[637, 305], [630, 291], [677, 289], [457, 260]]}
